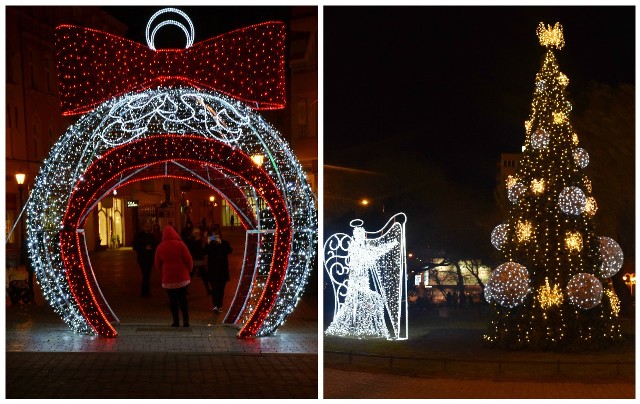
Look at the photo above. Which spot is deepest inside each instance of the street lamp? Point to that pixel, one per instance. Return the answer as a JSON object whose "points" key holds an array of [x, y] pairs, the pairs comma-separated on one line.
{"points": [[20, 180], [364, 202], [258, 159], [630, 280], [211, 200]]}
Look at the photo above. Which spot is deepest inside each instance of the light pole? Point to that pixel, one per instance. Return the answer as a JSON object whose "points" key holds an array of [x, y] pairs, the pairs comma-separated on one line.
{"points": [[211, 200], [20, 180], [630, 280]]}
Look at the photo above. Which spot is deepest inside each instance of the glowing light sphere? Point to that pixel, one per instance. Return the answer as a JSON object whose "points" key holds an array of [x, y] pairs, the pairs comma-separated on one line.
{"points": [[537, 186], [585, 291], [611, 256], [499, 235], [540, 139], [559, 117], [509, 284], [563, 79], [511, 181], [516, 191], [581, 157], [573, 241], [591, 207], [541, 85], [524, 230], [572, 200]]}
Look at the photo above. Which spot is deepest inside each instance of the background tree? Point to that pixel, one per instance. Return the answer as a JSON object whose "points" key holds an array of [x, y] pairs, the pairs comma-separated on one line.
{"points": [[553, 288]]}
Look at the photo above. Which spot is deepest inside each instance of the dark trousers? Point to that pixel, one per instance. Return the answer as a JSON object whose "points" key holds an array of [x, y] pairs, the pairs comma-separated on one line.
{"points": [[146, 278], [217, 292], [178, 299]]}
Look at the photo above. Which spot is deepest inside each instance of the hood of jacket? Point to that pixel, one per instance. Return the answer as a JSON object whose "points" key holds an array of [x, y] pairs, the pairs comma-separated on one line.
{"points": [[169, 233]]}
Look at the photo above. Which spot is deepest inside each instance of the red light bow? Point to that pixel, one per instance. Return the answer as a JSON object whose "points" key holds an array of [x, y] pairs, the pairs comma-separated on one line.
{"points": [[247, 64]]}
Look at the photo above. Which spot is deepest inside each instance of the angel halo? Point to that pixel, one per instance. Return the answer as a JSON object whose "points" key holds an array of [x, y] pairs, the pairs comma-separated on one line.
{"points": [[368, 274]]}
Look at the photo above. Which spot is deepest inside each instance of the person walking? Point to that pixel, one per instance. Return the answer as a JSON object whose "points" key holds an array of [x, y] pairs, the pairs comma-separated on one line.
{"points": [[174, 262], [145, 247], [217, 252], [196, 248]]}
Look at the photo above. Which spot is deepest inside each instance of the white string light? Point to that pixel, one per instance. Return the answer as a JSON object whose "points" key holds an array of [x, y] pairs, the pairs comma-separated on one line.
{"points": [[611, 256], [190, 34], [368, 274], [585, 291], [122, 120], [509, 284]]}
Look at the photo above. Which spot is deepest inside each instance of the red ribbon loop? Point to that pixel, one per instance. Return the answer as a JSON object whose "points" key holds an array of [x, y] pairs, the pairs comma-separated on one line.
{"points": [[247, 64]]}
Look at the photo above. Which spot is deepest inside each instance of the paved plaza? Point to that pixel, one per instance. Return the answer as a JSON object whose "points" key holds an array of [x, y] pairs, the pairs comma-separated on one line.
{"points": [[349, 384], [150, 359]]}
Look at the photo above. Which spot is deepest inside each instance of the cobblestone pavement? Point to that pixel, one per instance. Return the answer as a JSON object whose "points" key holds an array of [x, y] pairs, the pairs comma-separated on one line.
{"points": [[150, 359], [349, 384]]}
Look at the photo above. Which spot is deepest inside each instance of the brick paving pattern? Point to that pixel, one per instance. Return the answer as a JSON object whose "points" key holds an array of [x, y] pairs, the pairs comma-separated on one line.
{"points": [[349, 384], [149, 359]]}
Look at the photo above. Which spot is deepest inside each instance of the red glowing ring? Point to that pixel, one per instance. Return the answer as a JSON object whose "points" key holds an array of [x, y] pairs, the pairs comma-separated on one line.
{"points": [[148, 151]]}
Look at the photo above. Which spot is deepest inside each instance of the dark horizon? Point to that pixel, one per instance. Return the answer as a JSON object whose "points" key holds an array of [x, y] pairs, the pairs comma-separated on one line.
{"points": [[457, 82]]}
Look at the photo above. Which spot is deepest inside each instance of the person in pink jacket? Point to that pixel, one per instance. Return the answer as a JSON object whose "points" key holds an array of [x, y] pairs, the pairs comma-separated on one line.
{"points": [[174, 262]]}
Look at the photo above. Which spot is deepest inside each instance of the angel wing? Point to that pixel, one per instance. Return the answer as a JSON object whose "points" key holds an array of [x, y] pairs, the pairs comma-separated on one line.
{"points": [[336, 264], [390, 272]]}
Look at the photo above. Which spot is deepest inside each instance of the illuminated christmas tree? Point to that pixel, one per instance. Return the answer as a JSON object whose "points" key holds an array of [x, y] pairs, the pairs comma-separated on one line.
{"points": [[553, 289]]}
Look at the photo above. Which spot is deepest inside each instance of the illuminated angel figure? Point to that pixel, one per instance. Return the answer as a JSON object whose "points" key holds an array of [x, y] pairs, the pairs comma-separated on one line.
{"points": [[368, 275]]}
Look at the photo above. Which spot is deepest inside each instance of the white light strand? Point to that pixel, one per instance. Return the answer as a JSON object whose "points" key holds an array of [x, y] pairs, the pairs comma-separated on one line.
{"points": [[368, 274], [131, 117], [572, 200], [585, 291], [509, 284], [611, 256], [190, 34]]}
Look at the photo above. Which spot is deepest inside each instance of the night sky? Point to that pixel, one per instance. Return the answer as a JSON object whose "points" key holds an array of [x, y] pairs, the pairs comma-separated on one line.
{"points": [[455, 84], [208, 21]]}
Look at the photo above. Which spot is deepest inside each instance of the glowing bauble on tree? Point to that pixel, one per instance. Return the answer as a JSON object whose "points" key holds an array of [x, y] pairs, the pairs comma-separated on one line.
{"points": [[581, 157], [548, 243], [539, 139], [516, 191], [611, 256], [509, 284], [499, 235], [572, 200], [584, 291]]}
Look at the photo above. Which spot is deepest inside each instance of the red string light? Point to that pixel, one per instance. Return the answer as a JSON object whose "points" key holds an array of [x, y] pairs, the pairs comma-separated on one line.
{"points": [[247, 64], [103, 173]]}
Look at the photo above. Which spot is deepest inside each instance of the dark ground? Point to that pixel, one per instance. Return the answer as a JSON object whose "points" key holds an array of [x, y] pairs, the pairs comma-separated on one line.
{"points": [[453, 347]]}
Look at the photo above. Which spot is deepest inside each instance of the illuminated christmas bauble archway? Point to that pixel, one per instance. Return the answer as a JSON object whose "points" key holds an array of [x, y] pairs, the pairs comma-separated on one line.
{"points": [[157, 128]]}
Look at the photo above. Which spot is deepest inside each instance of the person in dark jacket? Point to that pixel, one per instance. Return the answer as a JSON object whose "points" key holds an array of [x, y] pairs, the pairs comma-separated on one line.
{"points": [[145, 247], [174, 262], [218, 251], [196, 244]]}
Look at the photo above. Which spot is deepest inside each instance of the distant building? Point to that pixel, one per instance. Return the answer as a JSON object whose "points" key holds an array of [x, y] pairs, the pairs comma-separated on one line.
{"points": [[509, 163], [33, 121], [434, 282]]}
